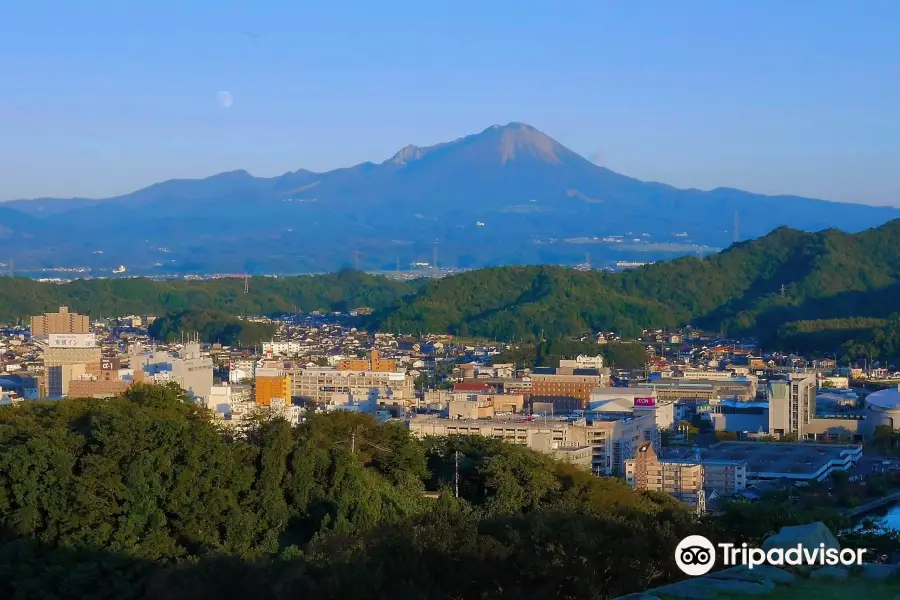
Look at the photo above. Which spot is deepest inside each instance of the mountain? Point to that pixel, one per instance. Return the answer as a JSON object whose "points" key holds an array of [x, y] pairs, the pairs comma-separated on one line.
{"points": [[508, 195]]}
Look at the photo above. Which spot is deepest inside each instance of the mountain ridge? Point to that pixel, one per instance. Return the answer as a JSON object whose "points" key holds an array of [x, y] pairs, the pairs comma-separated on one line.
{"points": [[507, 194]]}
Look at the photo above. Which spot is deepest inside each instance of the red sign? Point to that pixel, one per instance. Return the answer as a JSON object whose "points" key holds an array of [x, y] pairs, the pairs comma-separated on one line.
{"points": [[645, 401]]}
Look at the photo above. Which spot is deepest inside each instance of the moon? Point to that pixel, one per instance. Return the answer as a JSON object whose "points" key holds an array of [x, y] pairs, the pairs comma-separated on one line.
{"points": [[224, 99]]}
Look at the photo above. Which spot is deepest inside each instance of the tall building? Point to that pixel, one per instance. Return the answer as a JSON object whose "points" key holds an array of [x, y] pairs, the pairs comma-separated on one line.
{"points": [[59, 322], [792, 404], [682, 480], [270, 386]]}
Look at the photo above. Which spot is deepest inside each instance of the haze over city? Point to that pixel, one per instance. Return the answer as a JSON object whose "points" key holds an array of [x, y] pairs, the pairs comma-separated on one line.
{"points": [[99, 98]]}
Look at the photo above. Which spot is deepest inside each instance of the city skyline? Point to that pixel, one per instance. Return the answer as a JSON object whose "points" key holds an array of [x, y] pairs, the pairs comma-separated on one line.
{"points": [[770, 98]]}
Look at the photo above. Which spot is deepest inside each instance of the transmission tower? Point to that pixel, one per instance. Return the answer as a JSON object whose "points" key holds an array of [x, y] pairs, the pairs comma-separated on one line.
{"points": [[456, 474], [435, 265], [783, 289], [736, 230], [246, 284], [356, 259], [11, 272]]}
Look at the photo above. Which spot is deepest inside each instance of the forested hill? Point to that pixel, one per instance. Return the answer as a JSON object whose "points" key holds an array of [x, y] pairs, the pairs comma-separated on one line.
{"points": [[761, 287], [752, 288], [346, 290]]}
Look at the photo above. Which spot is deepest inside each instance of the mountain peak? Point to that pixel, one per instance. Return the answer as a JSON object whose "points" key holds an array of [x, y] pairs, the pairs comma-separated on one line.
{"points": [[518, 139], [407, 154]]}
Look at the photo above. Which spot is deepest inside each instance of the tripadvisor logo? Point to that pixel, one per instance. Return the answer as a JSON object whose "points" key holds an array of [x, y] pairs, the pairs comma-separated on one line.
{"points": [[696, 555]]}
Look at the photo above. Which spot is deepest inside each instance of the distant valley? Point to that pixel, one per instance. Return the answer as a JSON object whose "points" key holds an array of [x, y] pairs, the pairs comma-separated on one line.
{"points": [[507, 195]]}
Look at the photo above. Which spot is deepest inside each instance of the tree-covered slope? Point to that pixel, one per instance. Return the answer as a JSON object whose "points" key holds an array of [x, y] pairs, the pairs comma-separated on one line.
{"points": [[210, 326], [750, 288], [348, 289], [143, 497]]}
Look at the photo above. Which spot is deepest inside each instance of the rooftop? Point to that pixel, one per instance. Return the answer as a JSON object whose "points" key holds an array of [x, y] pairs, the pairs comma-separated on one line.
{"points": [[775, 457]]}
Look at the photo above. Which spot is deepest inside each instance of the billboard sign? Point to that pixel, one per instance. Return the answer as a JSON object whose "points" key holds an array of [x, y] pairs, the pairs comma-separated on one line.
{"points": [[72, 340], [109, 364], [644, 402]]}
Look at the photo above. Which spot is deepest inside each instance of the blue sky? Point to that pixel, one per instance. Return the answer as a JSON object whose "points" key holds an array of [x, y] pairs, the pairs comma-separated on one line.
{"points": [[791, 96]]}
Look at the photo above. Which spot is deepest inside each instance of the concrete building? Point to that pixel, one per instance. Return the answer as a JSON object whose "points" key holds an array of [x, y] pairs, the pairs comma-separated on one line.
{"points": [[583, 361], [776, 460], [612, 438], [633, 400], [316, 385], [59, 322], [271, 385], [792, 404], [882, 408], [187, 367], [59, 378], [740, 388], [576, 386], [372, 362], [97, 388], [682, 480]]}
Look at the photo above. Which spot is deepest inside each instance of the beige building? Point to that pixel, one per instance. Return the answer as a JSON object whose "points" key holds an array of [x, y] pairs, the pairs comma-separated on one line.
{"points": [[792, 405], [96, 388], [316, 385], [59, 322], [612, 438], [59, 378], [682, 480]]}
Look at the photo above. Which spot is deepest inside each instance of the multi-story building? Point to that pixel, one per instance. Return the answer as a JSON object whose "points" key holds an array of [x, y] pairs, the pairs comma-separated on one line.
{"points": [[576, 386], [272, 385], [792, 404], [612, 438], [682, 480], [372, 362], [188, 367], [316, 385], [59, 322], [725, 477]]}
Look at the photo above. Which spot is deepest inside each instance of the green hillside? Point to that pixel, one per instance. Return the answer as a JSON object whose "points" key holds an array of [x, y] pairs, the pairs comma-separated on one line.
{"points": [[783, 287], [20, 298]]}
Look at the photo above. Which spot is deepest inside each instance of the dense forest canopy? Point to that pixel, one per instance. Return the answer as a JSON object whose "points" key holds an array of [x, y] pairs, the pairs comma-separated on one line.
{"points": [[142, 496], [144, 490], [752, 288], [211, 326]]}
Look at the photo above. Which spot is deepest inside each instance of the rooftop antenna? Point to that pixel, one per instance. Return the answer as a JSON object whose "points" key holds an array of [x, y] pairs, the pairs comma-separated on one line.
{"points": [[736, 230]]}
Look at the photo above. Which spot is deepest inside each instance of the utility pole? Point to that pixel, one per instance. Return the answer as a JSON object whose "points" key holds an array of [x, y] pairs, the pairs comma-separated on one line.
{"points": [[456, 474]]}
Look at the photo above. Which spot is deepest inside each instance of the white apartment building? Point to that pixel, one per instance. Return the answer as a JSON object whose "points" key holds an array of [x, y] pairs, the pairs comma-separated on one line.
{"points": [[612, 438]]}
